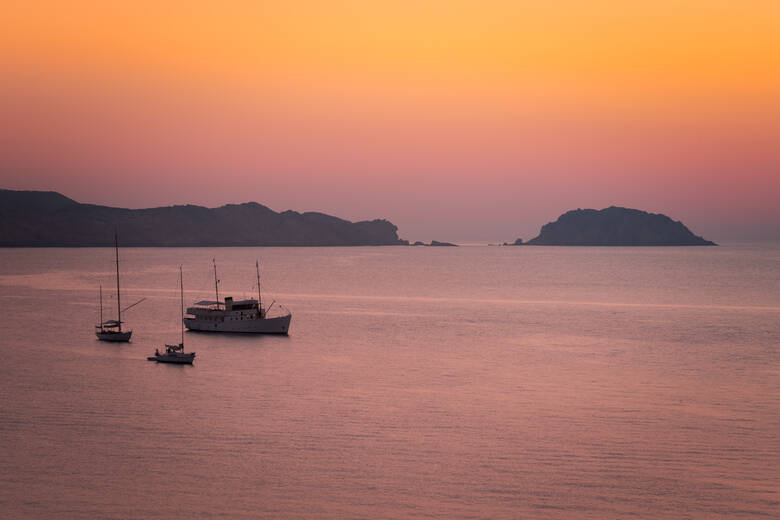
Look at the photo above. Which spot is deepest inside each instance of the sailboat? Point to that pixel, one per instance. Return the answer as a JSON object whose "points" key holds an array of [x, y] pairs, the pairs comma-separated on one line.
{"points": [[237, 316], [175, 353], [111, 330]]}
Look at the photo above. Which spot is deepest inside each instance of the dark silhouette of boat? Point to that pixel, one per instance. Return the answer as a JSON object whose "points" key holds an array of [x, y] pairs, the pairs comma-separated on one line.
{"points": [[175, 353], [111, 330]]}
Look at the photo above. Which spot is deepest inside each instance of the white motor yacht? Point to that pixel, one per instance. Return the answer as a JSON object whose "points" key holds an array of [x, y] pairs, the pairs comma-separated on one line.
{"points": [[247, 316]]}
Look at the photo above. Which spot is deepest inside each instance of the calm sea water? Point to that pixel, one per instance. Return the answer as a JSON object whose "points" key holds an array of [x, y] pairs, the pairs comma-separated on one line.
{"points": [[471, 382]]}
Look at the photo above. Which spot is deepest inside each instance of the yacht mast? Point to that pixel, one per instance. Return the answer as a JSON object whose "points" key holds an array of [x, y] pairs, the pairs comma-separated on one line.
{"points": [[101, 306], [181, 285], [118, 304], [216, 282], [259, 301]]}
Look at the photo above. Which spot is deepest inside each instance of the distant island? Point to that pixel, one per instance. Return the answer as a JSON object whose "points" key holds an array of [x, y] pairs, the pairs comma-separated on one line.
{"points": [[435, 243], [49, 219], [614, 226]]}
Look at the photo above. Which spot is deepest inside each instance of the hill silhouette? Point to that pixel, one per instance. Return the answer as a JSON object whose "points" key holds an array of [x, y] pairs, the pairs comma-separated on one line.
{"points": [[615, 226], [46, 218]]}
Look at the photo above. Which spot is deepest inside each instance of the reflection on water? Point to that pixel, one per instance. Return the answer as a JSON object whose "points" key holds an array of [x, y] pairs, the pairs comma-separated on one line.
{"points": [[416, 383]]}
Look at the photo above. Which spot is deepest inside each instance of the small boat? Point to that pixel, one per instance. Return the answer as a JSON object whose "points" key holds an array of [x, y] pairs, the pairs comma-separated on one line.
{"points": [[111, 330], [248, 316], [175, 353]]}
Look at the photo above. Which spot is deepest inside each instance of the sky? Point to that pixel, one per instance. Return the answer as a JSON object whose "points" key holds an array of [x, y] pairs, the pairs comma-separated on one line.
{"points": [[456, 120]]}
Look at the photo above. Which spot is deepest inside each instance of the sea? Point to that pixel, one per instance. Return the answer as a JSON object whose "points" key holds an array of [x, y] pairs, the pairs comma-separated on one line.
{"points": [[469, 382]]}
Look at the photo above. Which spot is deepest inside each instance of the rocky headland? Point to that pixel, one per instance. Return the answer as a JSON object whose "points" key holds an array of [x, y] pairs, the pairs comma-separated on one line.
{"points": [[49, 219]]}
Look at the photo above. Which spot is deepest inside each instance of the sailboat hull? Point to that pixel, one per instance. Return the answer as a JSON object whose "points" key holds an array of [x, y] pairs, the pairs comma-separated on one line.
{"points": [[275, 325], [114, 336], [174, 358]]}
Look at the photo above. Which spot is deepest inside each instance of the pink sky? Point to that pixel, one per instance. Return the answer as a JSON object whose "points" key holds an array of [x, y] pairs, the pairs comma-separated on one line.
{"points": [[460, 120]]}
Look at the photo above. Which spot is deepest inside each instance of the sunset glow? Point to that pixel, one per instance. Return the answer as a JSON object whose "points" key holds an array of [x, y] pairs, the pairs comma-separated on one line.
{"points": [[457, 120]]}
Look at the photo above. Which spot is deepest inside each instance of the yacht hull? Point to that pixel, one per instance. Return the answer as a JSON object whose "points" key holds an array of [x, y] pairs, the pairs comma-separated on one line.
{"points": [[275, 325], [114, 336]]}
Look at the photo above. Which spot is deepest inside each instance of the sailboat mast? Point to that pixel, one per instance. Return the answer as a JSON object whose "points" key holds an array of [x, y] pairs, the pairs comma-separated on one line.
{"points": [[181, 285], [216, 282], [101, 306], [259, 301], [118, 304]]}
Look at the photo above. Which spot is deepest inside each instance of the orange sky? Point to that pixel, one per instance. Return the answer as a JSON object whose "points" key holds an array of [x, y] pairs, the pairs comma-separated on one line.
{"points": [[457, 120]]}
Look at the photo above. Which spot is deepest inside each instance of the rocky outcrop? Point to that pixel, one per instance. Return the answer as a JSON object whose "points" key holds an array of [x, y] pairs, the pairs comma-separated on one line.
{"points": [[616, 226], [36, 218]]}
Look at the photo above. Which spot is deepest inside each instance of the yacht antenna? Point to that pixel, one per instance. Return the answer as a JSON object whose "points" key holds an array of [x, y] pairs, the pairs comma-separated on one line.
{"points": [[118, 304], [216, 282]]}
